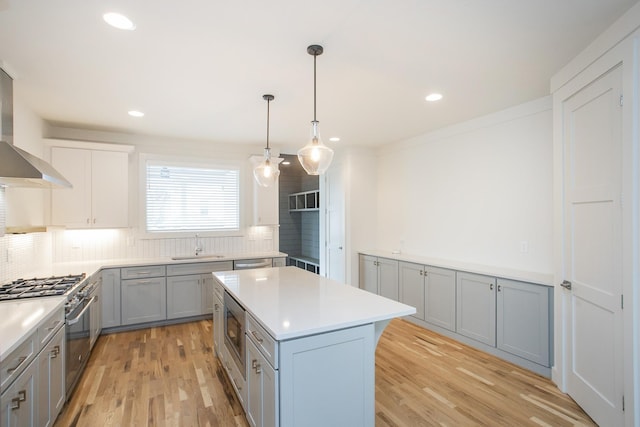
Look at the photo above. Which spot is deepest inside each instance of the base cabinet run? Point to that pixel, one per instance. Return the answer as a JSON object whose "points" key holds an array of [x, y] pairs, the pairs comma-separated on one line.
{"points": [[508, 318]]}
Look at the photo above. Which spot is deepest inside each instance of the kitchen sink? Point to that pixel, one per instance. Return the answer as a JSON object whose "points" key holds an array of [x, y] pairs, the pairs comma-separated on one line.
{"points": [[187, 257]]}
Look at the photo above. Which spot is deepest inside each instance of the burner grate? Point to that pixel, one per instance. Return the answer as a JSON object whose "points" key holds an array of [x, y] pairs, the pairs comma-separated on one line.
{"points": [[39, 287]]}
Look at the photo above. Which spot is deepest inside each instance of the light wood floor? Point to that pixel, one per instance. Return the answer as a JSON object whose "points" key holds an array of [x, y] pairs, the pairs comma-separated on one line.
{"points": [[168, 376]]}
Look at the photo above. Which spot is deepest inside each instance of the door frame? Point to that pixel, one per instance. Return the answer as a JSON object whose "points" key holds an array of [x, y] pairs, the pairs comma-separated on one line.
{"points": [[624, 54]]}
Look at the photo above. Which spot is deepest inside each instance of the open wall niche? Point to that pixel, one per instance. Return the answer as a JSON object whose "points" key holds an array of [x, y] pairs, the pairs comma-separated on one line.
{"points": [[299, 215]]}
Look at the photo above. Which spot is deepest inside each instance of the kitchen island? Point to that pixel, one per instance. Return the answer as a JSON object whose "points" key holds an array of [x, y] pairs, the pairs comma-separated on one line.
{"points": [[310, 346]]}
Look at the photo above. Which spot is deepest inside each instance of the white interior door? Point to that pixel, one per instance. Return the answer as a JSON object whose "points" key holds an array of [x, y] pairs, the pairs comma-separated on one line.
{"points": [[592, 121], [335, 224]]}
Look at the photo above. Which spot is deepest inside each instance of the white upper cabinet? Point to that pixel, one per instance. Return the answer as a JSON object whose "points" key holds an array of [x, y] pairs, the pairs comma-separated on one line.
{"points": [[265, 204], [100, 194]]}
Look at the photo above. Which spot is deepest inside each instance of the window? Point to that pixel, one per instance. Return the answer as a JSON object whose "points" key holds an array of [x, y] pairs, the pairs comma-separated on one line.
{"points": [[182, 198]]}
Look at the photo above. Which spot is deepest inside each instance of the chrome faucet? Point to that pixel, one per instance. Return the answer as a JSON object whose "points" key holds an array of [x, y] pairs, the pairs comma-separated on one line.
{"points": [[198, 246]]}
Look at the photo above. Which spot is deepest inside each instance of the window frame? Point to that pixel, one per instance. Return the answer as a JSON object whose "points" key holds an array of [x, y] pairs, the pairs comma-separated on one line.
{"points": [[237, 165]]}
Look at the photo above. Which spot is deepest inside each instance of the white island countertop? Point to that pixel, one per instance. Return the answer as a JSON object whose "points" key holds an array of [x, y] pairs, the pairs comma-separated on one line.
{"points": [[291, 303]]}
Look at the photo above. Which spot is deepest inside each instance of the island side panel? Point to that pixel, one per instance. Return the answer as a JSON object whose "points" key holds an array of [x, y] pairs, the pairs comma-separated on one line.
{"points": [[329, 379]]}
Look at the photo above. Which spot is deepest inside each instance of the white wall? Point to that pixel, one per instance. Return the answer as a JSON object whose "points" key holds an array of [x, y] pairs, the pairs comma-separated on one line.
{"points": [[473, 192]]}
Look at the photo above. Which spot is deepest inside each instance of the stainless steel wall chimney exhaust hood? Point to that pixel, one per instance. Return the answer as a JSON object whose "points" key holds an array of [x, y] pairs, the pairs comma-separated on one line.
{"points": [[17, 167], [21, 169]]}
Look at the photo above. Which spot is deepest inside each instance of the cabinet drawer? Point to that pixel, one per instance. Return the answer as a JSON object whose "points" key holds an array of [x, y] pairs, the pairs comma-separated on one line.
{"points": [[17, 361], [198, 268], [218, 289], [49, 327], [144, 271], [265, 343]]}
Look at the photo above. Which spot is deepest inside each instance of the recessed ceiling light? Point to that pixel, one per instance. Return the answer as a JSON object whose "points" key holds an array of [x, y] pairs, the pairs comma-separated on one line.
{"points": [[334, 139], [135, 113], [119, 21], [434, 97]]}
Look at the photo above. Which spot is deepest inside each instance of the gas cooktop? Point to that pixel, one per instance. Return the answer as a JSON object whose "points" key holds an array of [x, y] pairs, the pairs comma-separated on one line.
{"points": [[31, 288]]}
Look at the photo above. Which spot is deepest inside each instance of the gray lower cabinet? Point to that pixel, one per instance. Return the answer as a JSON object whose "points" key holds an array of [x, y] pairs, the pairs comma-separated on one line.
{"points": [[432, 291], [184, 296], [111, 298], [440, 297], [144, 300], [523, 326], [51, 387], [380, 276], [262, 381], [412, 286], [19, 401], [476, 307], [218, 324], [190, 288]]}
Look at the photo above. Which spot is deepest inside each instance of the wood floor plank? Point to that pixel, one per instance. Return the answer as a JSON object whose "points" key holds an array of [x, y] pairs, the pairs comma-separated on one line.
{"points": [[169, 376]]}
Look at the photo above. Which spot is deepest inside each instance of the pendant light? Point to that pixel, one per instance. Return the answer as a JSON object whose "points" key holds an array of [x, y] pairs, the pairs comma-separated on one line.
{"points": [[266, 172], [315, 157]]}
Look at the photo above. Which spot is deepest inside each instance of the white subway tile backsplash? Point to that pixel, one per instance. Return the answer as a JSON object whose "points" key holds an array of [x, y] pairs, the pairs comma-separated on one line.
{"points": [[37, 254]]}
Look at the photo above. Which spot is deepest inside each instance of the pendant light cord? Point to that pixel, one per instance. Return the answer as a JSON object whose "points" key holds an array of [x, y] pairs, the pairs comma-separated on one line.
{"points": [[315, 55], [268, 102]]}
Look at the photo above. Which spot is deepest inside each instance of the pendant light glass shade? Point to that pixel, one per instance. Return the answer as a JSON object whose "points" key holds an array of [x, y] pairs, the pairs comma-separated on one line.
{"points": [[315, 157], [266, 172]]}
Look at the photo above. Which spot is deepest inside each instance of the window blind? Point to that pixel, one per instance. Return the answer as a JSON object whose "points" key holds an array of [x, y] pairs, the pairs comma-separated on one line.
{"points": [[183, 198]]}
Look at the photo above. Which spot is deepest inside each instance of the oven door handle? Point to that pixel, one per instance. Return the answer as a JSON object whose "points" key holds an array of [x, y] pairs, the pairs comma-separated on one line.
{"points": [[77, 318]]}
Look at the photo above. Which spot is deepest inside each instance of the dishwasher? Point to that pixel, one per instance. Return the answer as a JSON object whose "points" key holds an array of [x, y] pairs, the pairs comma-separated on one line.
{"points": [[246, 264]]}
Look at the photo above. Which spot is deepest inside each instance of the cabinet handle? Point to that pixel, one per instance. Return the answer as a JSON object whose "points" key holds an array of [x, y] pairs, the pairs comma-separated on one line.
{"points": [[499, 288], [20, 360], [256, 366], [490, 286], [94, 220], [15, 402], [421, 273], [236, 384], [257, 337], [88, 221], [55, 352]]}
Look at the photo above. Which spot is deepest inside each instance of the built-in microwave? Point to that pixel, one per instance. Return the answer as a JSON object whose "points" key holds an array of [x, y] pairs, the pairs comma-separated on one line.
{"points": [[234, 331]]}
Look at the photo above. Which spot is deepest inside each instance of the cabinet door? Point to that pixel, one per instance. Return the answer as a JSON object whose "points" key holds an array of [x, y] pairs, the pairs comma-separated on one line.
{"points": [[314, 387], [110, 292], [207, 293], [388, 278], [19, 403], [72, 206], [95, 317], [144, 300], [109, 189], [218, 325], [51, 390], [440, 297], [412, 287], [523, 320], [265, 204], [476, 307], [184, 296], [262, 382], [369, 273]]}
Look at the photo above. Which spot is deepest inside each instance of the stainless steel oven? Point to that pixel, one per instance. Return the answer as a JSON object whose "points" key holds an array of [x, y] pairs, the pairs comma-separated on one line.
{"points": [[234, 331], [77, 316]]}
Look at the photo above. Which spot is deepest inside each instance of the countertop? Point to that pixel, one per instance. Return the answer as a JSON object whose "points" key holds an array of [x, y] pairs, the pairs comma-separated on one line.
{"points": [[90, 267], [290, 302], [18, 318], [21, 318], [505, 273]]}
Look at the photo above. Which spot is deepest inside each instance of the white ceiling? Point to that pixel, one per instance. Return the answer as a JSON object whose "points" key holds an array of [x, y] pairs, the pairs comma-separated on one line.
{"points": [[199, 68]]}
